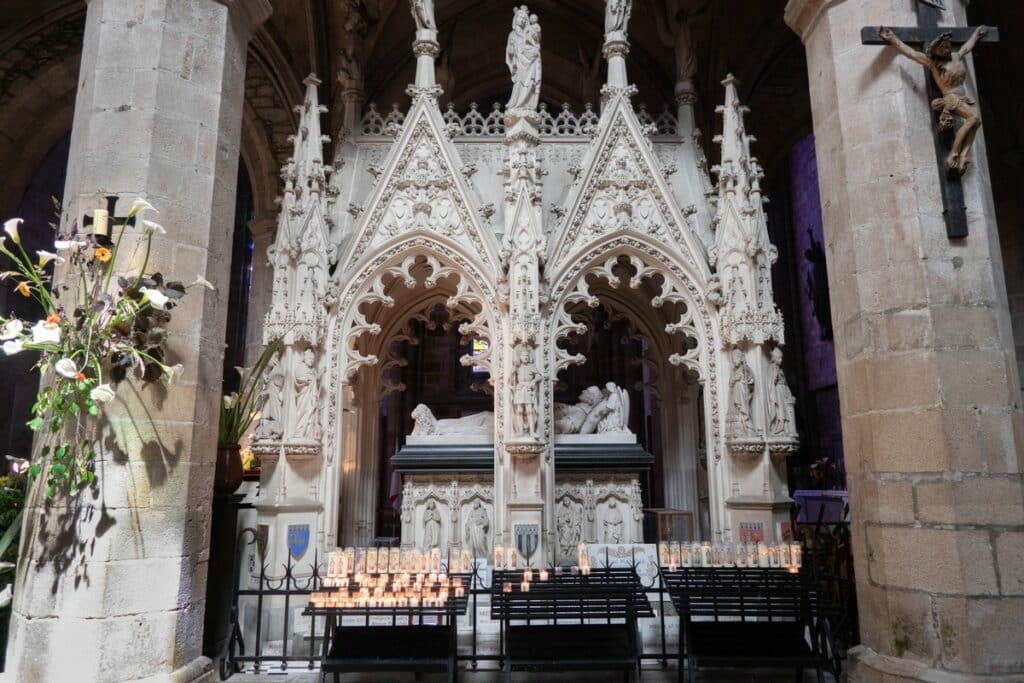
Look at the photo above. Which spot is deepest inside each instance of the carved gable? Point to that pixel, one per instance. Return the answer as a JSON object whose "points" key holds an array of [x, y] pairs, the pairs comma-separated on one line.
{"points": [[423, 189], [623, 189]]}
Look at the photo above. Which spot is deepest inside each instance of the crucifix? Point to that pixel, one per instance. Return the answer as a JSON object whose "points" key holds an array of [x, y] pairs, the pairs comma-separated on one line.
{"points": [[947, 74]]}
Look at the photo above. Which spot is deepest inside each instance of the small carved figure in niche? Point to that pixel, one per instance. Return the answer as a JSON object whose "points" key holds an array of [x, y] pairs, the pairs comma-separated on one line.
{"points": [[477, 527], [780, 398], [949, 71], [350, 73], [522, 56], [271, 426], [307, 424], [741, 393], [524, 394], [568, 528], [613, 523], [423, 13], [616, 16], [431, 526]]}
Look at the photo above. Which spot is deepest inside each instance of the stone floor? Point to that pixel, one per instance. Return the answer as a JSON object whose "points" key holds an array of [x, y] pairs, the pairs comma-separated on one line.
{"points": [[491, 676]]}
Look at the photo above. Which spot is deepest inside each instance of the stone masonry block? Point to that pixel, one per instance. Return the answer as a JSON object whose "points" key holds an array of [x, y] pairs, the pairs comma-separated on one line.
{"points": [[1010, 562], [932, 560], [971, 500]]}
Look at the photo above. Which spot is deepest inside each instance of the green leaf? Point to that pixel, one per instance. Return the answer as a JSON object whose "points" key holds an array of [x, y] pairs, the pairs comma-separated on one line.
{"points": [[34, 469]]}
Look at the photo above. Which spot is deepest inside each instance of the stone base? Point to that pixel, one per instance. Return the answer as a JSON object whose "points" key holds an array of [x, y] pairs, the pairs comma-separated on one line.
{"points": [[595, 439], [868, 666]]}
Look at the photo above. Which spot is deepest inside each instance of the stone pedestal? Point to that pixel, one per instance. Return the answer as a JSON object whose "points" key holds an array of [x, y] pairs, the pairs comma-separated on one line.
{"points": [[932, 427], [111, 586]]}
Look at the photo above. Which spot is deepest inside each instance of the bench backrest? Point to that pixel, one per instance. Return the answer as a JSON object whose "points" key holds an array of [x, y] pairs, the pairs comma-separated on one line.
{"points": [[728, 593], [606, 594]]}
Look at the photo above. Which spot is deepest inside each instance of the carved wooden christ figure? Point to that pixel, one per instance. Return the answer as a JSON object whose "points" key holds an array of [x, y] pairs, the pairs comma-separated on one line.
{"points": [[524, 394], [949, 71], [522, 56]]}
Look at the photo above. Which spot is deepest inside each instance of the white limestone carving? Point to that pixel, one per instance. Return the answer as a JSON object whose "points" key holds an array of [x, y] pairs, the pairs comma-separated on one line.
{"points": [[431, 526], [616, 16], [522, 56], [527, 379], [475, 424], [478, 528], [467, 222], [423, 14]]}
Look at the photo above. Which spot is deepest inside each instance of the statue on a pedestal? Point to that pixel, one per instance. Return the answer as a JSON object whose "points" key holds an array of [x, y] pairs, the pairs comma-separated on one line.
{"points": [[307, 409], [568, 528], [477, 527], [616, 16], [780, 398], [522, 56], [741, 393], [431, 526], [527, 379], [613, 523], [423, 13]]}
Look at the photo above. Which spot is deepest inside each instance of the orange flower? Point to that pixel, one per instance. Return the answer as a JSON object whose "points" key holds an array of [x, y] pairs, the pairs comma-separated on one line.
{"points": [[102, 254], [80, 377], [23, 289], [53, 318]]}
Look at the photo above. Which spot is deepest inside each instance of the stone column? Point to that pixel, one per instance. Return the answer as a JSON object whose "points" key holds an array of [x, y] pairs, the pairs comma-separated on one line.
{"points": [[111, 587], [932, 427], [263, 228]]}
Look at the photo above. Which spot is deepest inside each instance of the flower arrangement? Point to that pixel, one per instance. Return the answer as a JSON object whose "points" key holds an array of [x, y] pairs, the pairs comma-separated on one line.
{"points": [[100, 326], [239, 409]]}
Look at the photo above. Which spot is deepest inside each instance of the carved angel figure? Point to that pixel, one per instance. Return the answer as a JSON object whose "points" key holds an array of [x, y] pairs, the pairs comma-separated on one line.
{"points": [[522, 56], [616, 15], [949, 72], [423, 13]]}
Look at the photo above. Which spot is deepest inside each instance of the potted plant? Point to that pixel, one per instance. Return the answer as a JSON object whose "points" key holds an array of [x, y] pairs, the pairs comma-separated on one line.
{"points": [[238, 412], [103, 322]]}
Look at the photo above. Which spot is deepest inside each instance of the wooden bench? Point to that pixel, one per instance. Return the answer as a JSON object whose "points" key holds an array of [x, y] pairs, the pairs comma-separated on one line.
{"points": [[747, 618], [571, 622]]}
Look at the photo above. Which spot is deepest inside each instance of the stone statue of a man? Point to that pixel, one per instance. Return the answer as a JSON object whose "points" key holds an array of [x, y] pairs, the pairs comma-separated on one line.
{"points": [[423, 13], [522, 55], [477, 527], [431, 526], [616, 16], [524, 394], [613, 523]]}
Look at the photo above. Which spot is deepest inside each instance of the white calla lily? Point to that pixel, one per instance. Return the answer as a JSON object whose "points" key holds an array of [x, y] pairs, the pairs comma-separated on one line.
{"points": [[153, 228], [154, 297], [104, 393], [64, 245], [18, 465], [45, 332], [11, 228], [12, 347], [6, 595], [66, 367], [140, 205], [230, 401], [202, 282], [11, 329], [47, 256], [173, 372]]}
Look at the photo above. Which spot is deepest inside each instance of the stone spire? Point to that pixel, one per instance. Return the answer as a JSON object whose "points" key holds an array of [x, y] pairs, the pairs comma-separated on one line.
{"points": [[616, 45], [426, 48], [742, 252]]}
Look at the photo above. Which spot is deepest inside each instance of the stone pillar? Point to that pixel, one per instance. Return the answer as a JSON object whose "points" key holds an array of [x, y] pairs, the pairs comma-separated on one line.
{"points": [[932, 426], [263, 228], [111, 587]]}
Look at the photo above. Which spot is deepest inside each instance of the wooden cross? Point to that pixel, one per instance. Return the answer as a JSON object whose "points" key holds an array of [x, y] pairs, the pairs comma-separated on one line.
{"points": [[928, 30]]}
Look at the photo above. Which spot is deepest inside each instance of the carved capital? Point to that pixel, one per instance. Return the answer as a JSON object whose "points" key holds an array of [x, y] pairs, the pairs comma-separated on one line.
{"points": [[615, 48], [427, 48]]}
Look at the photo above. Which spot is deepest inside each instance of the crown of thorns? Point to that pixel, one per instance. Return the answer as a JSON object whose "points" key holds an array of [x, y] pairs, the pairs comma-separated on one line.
{"points": [[941, 38]]}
